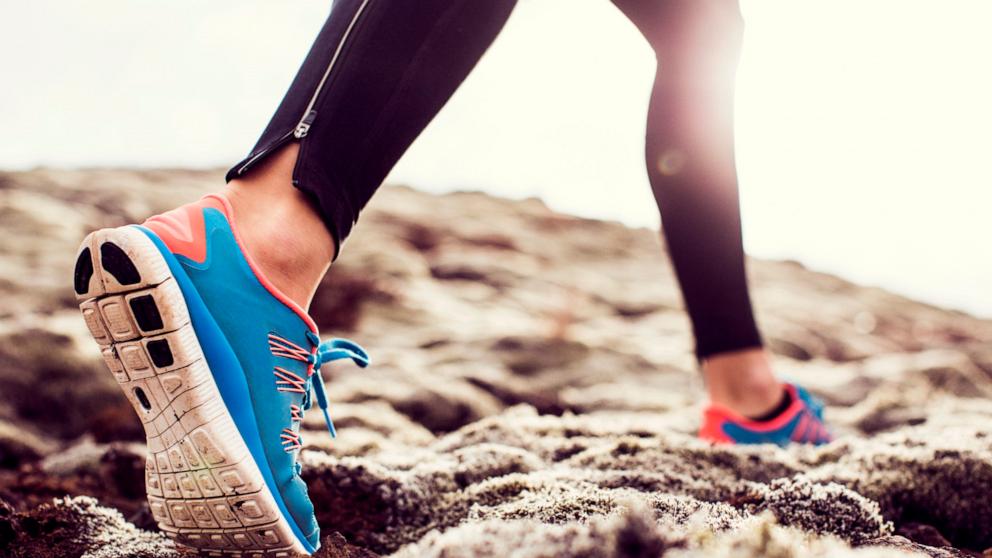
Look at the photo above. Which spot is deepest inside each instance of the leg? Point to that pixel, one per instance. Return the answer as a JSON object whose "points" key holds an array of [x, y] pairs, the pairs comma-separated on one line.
{"points": [[200, 313], [690, 157], [376, 76]]}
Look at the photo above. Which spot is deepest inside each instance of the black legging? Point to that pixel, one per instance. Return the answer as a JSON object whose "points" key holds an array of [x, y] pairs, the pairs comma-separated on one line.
{"points": [[380, 70]]}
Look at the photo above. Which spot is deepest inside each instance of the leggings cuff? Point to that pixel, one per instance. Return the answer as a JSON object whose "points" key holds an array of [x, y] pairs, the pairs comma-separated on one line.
{"points": [[748, 339], [332, 204]]}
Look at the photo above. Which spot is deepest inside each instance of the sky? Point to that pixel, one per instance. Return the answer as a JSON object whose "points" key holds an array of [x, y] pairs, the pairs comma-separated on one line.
{"points": [[864, 127]]}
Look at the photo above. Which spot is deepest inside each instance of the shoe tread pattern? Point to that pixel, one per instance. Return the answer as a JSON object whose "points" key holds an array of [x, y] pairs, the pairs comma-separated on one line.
{"points": [[203, 487]]}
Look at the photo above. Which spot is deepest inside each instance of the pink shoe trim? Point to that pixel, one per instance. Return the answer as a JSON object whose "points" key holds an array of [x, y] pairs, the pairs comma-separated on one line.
{"points": [[229, 213]]}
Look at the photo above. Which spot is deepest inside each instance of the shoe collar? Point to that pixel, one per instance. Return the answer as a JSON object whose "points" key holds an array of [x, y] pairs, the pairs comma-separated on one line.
{"points": [[228, 211], [719, 413]]}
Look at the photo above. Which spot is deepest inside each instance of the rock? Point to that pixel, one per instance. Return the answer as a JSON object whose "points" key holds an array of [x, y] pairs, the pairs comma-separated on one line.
{"points": [[46, 381], [336, 546], [633, 534], [923, 534], [533, 393], [934, 474], [824, 509], [19, 446], [340, 301], [73, 527]]}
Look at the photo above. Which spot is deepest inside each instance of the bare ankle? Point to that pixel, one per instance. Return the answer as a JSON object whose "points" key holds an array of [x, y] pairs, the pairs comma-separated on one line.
{"points": [[280, 227], [742, 381]]}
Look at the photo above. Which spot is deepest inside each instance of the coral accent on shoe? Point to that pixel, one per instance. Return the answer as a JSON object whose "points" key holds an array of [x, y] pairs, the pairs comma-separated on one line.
{"points": [[182, 229]]}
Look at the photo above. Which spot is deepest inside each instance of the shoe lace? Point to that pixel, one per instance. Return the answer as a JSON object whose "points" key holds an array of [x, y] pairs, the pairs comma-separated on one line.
{"points": [[313, 384], [329, 351]]}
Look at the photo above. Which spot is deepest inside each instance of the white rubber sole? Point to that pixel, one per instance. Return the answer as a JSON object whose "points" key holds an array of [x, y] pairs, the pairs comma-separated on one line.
{"points": [[205, 490]]}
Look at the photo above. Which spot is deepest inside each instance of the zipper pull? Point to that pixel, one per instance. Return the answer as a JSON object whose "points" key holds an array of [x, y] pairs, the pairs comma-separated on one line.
{"points": [[304, 126]]}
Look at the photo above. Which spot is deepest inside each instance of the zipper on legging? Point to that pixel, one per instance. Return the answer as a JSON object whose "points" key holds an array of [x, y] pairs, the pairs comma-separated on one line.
{"points": [[303, 127], [269, 149], [309, 114]]}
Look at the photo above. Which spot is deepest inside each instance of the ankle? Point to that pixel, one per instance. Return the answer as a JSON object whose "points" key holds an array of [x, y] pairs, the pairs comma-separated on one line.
{"points": [[281, 229], [743, 381]]}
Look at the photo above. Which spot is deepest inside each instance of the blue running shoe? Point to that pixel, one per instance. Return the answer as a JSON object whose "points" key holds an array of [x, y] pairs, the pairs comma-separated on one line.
{"points": [[220, 368], [801, 422]]}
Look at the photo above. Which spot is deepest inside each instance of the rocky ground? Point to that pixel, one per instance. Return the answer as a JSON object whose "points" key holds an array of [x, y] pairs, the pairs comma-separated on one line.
{"points": [[533, 395]]}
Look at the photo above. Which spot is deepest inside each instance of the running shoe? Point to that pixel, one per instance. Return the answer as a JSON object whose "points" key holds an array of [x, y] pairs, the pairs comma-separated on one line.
{"points": [[801, 422], [220, 368]]}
